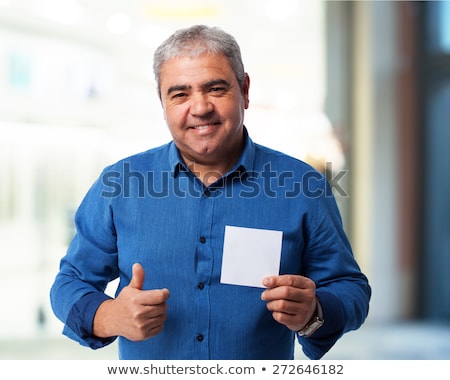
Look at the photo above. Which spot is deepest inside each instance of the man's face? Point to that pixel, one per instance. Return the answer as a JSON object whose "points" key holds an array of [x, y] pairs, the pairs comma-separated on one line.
{"points": [[204, 108]]}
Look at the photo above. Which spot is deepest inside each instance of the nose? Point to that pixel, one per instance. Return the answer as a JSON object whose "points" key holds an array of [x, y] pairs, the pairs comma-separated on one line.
{"points": [[201, 105]]}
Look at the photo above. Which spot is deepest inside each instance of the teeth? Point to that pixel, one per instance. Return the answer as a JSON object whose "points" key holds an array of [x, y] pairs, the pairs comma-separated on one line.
{"points": [[204, 126]]}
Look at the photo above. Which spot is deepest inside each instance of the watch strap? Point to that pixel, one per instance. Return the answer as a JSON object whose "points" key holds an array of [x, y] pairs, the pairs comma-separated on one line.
{"points": [[315, 323]]}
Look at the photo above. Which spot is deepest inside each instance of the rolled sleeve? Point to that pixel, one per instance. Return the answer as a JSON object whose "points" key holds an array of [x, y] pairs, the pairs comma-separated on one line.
{"points": [[79, 324]]}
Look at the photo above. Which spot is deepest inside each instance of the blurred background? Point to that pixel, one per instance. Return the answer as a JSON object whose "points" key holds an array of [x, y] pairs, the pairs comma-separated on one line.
{"points": [[360, 89]]}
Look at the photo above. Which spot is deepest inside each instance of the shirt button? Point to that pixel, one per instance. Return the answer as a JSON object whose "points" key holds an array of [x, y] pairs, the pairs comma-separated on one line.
{"points": [[207, 193], [200, 337], [200, 285], [202, 239]]}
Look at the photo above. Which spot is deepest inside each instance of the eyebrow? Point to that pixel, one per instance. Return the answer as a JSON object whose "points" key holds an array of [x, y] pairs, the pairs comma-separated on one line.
{"points": [[215, 82], [177, 88], [204, 86]]}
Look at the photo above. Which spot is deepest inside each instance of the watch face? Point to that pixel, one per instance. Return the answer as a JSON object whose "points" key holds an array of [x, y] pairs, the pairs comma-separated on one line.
{"points": [[314, 324], [311, 327]]}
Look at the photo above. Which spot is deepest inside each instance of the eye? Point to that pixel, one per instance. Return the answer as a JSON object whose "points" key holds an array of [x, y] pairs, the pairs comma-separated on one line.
{"points": [[217, 90], [178, 95]]}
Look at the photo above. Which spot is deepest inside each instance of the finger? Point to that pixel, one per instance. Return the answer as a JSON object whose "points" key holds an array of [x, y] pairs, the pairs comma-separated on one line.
{"points": [[291, 321], [155, 297], [147, 328], [138, 276], [153, 314], [297, 290], [295, 281], [287, 293], [156, 328], [283, 305]]}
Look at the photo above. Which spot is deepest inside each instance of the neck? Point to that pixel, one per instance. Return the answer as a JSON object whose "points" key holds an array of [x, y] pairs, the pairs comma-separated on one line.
{"points": [[211, 171], [209, 174]]}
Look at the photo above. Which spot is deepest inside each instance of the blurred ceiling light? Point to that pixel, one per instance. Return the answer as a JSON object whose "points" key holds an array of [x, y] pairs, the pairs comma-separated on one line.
{"points": [[67, 12], [119, 23], [181, 12], [279, 10]]}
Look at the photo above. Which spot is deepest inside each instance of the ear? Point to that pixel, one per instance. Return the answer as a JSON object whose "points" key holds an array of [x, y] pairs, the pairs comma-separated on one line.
{"points": [[245, 90]]}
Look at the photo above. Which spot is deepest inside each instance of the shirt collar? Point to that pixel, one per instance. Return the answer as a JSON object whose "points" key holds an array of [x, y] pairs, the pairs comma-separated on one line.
{"points": [[244, 164]]}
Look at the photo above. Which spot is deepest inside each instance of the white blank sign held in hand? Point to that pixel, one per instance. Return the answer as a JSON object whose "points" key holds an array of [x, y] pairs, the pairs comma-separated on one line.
{"points": [[249, 255]]}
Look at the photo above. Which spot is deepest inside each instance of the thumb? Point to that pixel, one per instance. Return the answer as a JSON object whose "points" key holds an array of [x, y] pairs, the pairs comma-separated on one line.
{"points": [[138, 275]]}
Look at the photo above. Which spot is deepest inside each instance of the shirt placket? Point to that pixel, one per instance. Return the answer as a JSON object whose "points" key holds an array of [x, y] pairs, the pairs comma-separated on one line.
{"points": [[203, 273]]}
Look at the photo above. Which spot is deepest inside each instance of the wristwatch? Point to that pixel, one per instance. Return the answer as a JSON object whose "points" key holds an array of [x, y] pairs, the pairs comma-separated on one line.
{"points": [[314, 324]]}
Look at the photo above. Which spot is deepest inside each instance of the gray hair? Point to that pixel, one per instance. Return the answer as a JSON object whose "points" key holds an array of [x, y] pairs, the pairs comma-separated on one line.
{"points": [[195, 41]]}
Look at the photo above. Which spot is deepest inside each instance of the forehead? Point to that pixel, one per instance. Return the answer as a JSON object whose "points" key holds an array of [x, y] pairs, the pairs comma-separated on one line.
{"points": [[189, 70]]}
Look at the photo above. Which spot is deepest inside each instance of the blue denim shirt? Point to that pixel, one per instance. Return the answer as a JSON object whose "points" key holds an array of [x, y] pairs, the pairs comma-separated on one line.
{"points": [[149, 208]]}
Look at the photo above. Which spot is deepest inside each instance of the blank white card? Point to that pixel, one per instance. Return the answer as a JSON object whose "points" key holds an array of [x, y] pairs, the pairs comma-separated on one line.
{"points": [[249, 255]]}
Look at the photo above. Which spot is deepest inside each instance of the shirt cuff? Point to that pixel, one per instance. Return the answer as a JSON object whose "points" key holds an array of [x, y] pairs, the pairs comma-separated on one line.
{"points": [[81, 318]]}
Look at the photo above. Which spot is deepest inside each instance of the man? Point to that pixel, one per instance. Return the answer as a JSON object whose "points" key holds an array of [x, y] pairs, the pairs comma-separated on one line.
{"points": [[157, 221]]}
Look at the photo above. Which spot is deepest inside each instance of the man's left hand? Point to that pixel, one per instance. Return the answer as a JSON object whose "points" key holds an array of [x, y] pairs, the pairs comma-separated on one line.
{"points": [[291, 299]]}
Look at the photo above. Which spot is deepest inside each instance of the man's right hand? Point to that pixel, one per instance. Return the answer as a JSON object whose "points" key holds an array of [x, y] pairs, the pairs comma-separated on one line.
{"points": [[135, 314]]}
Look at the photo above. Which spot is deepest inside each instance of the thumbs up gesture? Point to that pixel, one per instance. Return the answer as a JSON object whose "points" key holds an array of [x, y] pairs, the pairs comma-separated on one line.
{"points": [[136, 314], [138, 276]]}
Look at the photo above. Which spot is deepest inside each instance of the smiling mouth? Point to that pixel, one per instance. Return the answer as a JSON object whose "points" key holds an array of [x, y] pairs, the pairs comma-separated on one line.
{"points": [[204, 126]]}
